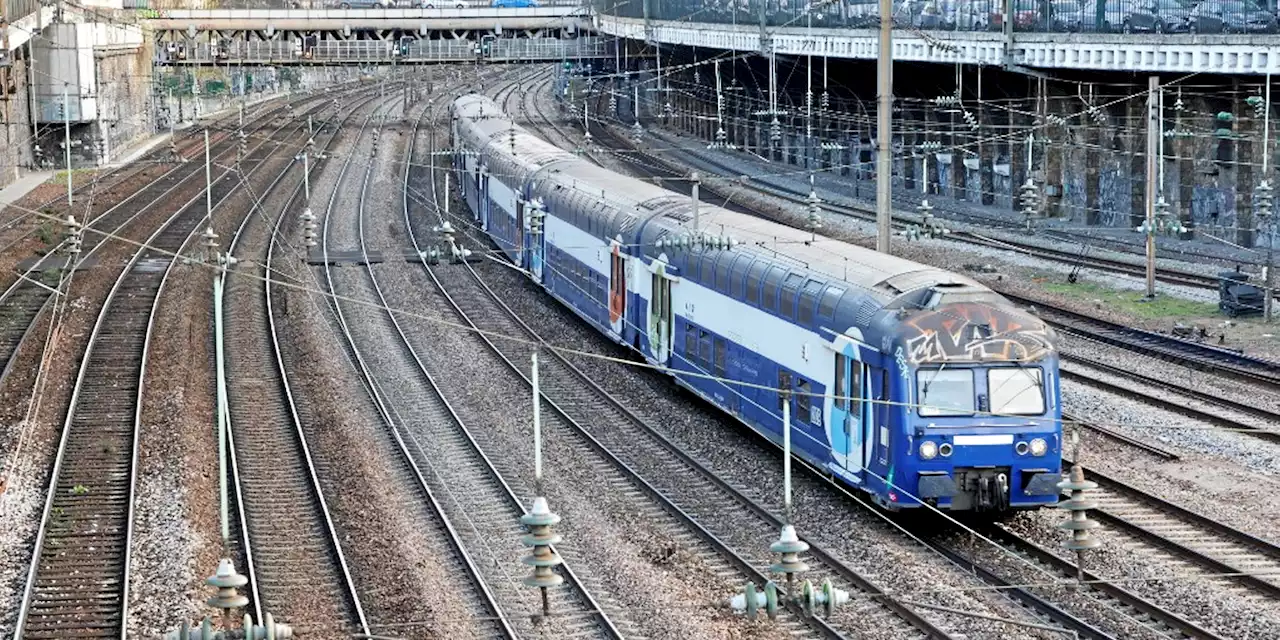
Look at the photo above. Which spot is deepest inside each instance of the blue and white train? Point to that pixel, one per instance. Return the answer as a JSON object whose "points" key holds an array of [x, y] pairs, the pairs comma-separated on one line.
{"points": [[913, 384]]}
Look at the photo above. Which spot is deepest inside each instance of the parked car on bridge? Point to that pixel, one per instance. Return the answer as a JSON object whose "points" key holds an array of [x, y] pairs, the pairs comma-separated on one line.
{"points": [[444, 4], [365, 4], [1248, 18], [1158, 16], [1086, 15], [514, 4]]}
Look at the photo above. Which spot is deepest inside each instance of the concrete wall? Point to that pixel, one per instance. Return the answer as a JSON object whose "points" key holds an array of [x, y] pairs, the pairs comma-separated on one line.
{"points": [[15, 148]]}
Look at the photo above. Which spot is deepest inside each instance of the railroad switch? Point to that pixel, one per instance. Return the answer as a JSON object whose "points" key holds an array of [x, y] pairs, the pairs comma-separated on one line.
{"points": [[1079, 524], [544, 558]]}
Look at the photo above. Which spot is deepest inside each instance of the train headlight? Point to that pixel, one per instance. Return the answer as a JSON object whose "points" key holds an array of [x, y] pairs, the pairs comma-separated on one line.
{"points": [[1039, 447], [1021, 448], [928, 450], [945, 449]]}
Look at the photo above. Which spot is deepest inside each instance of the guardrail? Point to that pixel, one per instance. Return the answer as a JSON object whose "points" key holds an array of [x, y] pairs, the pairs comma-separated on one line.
{"points": [[1028, 16], [390, 51], [445, 9]]}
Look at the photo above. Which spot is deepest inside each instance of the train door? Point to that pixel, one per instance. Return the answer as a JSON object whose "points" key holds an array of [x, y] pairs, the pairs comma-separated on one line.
{"points": [[849, 428], [517, 232], [485, 212], [660, 309], [617, 287], [537, 237]]}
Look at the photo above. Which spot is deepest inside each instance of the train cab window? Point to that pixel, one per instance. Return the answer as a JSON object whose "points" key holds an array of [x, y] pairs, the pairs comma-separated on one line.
{"points": [[827, 306], [808, 301], [787, 305], [771, 281], [754, 276], [1016, 391], [784, 387], [945, 392]]}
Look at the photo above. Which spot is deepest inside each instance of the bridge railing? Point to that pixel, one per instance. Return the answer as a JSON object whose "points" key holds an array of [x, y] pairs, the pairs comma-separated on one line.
{"points": [[387, 51], [1027, 16]]}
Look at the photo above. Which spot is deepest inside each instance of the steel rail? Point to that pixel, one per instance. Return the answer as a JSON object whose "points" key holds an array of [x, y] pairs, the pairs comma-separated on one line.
{"points": [[81, 457], [1175, 406], [392, 425], [1191, 354], [252, 562], [1052, 611], [1249, 542], [25, 301], [607, 626]]}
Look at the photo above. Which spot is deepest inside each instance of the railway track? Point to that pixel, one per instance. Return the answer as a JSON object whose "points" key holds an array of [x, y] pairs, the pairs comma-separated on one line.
{"points": [[78, 580], [279, 500], [25, 299], [1197, 538], [1193, 403], [484, 518], [1195, 355], [419, 426]]}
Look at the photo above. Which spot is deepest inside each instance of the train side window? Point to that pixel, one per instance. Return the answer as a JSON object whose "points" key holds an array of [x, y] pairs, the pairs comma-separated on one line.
{"points": [[720, 357], [771, 282], [803, 400], [754, 277], [827, 306], [739, 276], [690, 342], [704, 348], [722, 271], [808, 300], [784, 387], [790, 287]]}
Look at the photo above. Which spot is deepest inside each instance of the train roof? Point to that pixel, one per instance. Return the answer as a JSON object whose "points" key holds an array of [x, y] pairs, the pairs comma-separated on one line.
{"points": [[633, 202]]}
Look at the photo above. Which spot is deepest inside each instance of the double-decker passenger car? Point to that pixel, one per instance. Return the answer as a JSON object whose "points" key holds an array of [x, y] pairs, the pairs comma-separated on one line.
{"points": [[908, 382]]}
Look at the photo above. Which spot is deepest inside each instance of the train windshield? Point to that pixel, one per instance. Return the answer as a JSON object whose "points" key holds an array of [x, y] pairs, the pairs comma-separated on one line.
{"points": [[945, 392], [1018, 392]]}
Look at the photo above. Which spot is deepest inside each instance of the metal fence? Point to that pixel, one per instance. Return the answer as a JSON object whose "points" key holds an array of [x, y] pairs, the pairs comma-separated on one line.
{"points": [[15, 9], [502, 49], [1027, 16]]}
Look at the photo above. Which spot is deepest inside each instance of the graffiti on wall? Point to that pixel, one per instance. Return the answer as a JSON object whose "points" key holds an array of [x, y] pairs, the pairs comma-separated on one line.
{"points": [[973, 332]]}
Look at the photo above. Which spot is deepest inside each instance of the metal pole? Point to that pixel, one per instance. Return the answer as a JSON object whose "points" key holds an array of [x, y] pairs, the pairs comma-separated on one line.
{"points": [[1153, 131], [786, 456], [1269, 280], [537, 428], [306, 176], [446, 217], [694, 178], [222, 405], [884, 163], [66, 121], [208, 180]]}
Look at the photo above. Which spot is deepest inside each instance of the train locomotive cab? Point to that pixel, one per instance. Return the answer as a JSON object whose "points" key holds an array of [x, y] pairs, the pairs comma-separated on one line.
{"points": [[980, 425]]}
